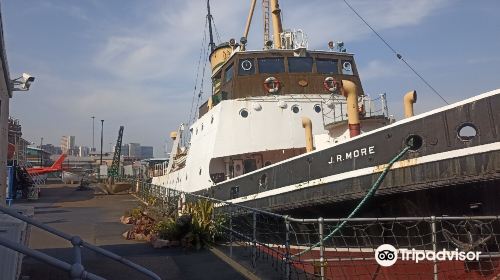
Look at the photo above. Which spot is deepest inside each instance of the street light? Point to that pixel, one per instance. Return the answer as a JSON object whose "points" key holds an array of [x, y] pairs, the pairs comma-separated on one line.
{"points": [[102, 129]]}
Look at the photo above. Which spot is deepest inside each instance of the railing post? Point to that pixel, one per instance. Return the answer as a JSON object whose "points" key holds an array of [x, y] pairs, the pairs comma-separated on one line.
{"points": [[77, 268], [231, 230], [434, 246], [254, 240], [321, 248], [287, 248]]}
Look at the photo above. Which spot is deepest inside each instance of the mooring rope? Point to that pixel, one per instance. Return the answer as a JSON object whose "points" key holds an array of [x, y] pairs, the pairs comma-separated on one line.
{"points": [[369, 194]]}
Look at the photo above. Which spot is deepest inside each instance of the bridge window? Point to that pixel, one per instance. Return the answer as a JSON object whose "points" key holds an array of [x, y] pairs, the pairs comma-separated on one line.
{"points": [[300, 64], [247, 67], [228, 75], [271, 65], [327, 66]]}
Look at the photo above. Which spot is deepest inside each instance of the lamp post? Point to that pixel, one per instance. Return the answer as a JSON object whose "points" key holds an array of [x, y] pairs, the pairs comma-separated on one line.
{"points": [[99, 168], [93, 146], [102, 129]]}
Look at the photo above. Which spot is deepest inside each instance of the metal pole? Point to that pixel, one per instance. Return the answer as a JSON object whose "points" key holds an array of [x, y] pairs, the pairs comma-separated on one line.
{"points": [[254, 240], [287, 248], [102, 134], [41, 152], [321, 249], [100, 162], [231, 231], [434, 246], [93, 146]]}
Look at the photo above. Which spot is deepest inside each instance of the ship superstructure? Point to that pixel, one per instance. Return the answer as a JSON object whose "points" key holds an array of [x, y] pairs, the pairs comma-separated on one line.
{"points": [[262, 107]]}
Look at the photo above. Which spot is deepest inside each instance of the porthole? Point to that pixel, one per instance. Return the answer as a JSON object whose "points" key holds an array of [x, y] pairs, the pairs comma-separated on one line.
{"points": [[466, 132], [201, 127], [317, 108], [212, 119], [199, 172], [295, 109], [243, 113], [196, 132], [415, 142]]}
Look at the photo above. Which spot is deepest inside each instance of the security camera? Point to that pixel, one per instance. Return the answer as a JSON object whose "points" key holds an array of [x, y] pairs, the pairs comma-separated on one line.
{"points": [[23, 82], [27, 79]]}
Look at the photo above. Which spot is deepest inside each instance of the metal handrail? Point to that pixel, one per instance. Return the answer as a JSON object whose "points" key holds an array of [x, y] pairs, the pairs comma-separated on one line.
{"points": [[76, 270]]}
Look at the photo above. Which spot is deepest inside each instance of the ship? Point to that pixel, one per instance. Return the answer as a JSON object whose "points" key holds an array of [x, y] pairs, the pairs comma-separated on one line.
{"points": [[291, 130]]}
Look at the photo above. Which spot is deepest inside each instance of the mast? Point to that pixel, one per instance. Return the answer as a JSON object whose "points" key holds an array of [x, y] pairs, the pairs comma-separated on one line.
{"points": [[209, 17], [249, 19], [277, 28], [265, 14]]}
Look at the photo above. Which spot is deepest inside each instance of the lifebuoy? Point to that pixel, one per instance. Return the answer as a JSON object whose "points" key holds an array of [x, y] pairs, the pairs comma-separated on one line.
{"points": [[330, 84], [272, 85]]}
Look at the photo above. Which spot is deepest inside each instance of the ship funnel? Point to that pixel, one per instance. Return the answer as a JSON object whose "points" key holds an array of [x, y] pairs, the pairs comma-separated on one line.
{"points": [[220, 55], [307, 124], [173, 135], [350, 91], [409, 99]]}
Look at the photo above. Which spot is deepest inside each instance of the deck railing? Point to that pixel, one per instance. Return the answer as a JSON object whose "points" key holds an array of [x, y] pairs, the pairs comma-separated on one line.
{"points": [[76, 270]]}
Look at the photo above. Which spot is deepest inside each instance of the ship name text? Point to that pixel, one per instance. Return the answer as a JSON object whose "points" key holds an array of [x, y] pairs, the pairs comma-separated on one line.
{"points": [[353, 154]]}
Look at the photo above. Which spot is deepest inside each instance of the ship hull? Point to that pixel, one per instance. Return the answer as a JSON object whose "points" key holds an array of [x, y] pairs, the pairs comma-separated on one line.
{"points": [[449, 174]]}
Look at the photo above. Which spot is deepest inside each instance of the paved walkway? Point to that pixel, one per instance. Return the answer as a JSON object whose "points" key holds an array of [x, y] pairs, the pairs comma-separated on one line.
{"points": [[95, 218]]}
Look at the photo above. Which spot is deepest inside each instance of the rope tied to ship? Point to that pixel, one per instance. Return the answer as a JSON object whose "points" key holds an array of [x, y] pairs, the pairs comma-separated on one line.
{"points": [[409, 145]]}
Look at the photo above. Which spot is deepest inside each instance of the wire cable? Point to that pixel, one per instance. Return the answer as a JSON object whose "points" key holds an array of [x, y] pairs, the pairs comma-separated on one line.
{"points": [[399, 56]]}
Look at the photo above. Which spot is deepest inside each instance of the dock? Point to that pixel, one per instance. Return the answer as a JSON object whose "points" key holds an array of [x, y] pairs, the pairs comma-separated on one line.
{"points": [[96, 219]]}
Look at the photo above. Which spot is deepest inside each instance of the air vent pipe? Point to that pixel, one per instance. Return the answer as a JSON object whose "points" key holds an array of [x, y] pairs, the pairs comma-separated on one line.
{"points": [[409, 99], [350, 91], [307, 125]]}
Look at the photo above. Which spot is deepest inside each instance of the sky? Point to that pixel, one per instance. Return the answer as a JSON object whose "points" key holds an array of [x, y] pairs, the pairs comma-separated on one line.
{"points": [[134, 63]]}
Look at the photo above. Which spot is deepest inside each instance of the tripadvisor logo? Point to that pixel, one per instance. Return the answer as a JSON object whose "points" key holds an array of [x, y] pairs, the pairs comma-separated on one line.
{"points": [[387, 255]]}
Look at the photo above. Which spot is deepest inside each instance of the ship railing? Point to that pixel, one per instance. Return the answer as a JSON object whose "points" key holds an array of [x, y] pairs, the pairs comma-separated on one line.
{"points": [[306, 248], [76, 270], [334, 110]]}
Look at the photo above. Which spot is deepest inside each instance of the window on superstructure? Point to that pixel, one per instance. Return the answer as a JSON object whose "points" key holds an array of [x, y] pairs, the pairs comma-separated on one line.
{"points": [[228, 74], [271, 65], [327, 66], [246, 67], [300, 64]]}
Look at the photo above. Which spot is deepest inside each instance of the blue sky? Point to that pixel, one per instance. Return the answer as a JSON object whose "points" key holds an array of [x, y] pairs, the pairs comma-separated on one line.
{"points": [[133, 63]]}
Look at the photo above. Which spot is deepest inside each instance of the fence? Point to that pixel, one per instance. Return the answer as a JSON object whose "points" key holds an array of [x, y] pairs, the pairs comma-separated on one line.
{"points": [[75, 270], [343, 248]]}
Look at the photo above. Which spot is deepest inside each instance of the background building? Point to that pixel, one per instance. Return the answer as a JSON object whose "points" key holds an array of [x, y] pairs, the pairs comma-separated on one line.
{"points": [[134, 150], [146, 152], [68, 145], [83, 151], [5, 95], [51, 149]]}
